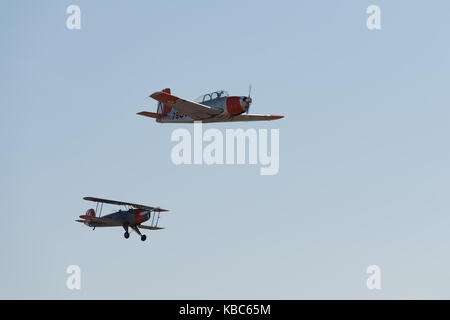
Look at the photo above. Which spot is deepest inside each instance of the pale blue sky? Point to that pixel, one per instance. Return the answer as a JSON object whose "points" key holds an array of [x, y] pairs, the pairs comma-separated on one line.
{"points": [[364, 149]]}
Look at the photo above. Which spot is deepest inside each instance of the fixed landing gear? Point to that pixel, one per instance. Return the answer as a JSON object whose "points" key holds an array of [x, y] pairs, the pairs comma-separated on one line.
{"points": [[126, 234], [143, 236], [136, 229]]}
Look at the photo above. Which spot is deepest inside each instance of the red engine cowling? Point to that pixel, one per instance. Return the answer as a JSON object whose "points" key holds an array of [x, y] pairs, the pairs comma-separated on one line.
{"points": [[234, 105], [90, 212], [141, 215]]}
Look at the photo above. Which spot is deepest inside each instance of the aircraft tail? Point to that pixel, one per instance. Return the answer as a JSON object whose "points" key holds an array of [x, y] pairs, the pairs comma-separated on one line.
{"points": [[163, 108], [164, 112], [90, 212]]}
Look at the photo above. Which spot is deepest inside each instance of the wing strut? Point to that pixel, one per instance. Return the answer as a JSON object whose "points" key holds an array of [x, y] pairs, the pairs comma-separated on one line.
{"points": [[101, 209], [157, 220]]}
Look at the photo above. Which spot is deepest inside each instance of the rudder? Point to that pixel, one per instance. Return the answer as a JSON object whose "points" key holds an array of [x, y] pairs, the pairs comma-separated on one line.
{"points": [[163, 108]]}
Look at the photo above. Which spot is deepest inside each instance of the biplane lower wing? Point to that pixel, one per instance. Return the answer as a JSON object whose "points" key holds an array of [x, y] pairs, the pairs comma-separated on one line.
{"points": [[149, 227], [192, 109]]}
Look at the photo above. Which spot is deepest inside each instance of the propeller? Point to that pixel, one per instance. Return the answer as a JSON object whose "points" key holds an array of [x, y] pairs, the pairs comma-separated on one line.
{"points": [[248, 99]]}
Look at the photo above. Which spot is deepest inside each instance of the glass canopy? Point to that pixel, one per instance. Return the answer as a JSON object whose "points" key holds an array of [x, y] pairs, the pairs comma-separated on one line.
{"points": [[212, 96]]}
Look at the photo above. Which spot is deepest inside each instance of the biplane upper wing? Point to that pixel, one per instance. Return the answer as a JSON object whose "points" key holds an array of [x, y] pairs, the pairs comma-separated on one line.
{"points": [[192, 109], [97, 219], [255, 117], [121, 203], [149, 227]]}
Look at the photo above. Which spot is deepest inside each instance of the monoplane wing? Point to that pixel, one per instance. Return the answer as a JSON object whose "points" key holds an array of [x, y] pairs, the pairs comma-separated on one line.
{"points": [[254, 117], [192, 109], [121, 203]]}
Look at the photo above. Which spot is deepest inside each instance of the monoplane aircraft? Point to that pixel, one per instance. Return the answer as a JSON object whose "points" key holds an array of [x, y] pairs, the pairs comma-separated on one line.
{"points": [[217, 106], [133, 216]]}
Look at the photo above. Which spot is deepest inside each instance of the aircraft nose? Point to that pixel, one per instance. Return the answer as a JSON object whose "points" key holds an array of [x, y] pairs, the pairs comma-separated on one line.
{"points": [[246, 103], [145, 213]]}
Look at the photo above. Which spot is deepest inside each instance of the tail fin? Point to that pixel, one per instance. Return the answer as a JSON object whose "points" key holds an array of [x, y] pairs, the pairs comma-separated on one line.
{"points": [[90, 212], [163, 108], [161, 111]]}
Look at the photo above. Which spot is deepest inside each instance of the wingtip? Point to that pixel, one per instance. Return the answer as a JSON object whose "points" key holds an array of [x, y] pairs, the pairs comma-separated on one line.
{"points": [[155, 94], [273, 117], [164, 97]]}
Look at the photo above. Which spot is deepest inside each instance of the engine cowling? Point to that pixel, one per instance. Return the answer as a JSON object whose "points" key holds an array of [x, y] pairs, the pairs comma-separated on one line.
{"points": [[235, 105], [141, 215]]}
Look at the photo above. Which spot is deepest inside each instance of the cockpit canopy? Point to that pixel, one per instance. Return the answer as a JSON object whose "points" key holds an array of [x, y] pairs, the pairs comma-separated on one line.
{"points": [[212, 96]]}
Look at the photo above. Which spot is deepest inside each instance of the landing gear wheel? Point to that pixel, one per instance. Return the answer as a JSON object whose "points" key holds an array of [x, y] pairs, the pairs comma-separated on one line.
{"points": [[143, 237], [126, 235]]}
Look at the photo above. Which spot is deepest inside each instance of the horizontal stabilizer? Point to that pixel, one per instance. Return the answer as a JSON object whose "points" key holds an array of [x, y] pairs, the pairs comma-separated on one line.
{"points": [[150, 114]]}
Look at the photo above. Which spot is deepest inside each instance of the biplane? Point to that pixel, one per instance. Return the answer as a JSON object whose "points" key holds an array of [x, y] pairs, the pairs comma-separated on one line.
{"points": [[217, 106], [132, 216]]}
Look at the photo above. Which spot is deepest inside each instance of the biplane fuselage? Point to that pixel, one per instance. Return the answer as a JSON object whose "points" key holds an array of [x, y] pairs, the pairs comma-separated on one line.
{"points": [[129, 217]]}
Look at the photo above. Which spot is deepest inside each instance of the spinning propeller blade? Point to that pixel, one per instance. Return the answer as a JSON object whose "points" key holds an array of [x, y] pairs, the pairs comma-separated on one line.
{"points": [[248, 99]]}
